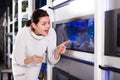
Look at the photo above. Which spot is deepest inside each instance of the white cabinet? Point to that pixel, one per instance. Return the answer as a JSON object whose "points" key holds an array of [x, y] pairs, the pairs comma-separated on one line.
{"points": [[17, 15]]}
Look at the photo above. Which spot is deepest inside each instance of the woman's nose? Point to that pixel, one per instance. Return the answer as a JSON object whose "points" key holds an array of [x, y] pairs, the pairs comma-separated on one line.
{"points": [[48, 25]]}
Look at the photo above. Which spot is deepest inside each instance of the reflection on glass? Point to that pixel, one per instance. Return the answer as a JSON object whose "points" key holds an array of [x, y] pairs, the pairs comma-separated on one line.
{"points": [[79, 32]]}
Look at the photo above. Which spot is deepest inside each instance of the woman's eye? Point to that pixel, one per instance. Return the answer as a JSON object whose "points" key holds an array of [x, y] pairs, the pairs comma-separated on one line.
{"points": [[43, 24]]}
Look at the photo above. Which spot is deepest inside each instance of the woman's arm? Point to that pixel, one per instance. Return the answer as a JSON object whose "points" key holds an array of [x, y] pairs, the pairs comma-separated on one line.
{"points": [[53, 51]]}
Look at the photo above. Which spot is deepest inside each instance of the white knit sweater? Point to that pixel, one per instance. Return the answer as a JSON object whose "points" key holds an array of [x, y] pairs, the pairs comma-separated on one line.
{"points": [[27, 43]]}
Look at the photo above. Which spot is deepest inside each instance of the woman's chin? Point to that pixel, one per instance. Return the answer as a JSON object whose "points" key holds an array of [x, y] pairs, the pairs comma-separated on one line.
{"points": [[45, 34]]}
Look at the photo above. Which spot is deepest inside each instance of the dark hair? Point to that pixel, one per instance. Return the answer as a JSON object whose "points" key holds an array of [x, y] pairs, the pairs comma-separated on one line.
{"points": [[38, 13]]}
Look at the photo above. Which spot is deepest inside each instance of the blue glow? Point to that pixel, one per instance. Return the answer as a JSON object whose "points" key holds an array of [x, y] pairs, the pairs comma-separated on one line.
{"points": [[107, 75]]}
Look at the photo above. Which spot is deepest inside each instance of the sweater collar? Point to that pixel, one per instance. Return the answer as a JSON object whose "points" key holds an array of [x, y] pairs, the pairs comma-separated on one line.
{"points": [[37, 37]]}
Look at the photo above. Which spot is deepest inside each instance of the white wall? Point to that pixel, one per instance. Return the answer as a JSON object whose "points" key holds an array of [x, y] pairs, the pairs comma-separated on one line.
{"points": [[113, 4], [77, 69], [76, 8]]}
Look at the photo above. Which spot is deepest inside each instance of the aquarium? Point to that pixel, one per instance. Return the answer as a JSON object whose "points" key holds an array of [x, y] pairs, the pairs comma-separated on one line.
{"points": [[80, 32]]}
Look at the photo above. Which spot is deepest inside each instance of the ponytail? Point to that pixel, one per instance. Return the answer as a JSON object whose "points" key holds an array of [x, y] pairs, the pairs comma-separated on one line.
{"points": [[28, 23]]}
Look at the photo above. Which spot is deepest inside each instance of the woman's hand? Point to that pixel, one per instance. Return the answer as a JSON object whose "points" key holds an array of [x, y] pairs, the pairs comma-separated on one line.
{"points": [[60, 49], [37, 59]]}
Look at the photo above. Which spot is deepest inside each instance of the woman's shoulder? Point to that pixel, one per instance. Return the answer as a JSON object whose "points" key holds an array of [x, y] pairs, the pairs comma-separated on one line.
{"points": [[23, 31]]}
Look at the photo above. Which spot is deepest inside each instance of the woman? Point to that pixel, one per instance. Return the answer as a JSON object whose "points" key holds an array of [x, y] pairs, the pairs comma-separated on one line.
{"points": [[31, 44]]}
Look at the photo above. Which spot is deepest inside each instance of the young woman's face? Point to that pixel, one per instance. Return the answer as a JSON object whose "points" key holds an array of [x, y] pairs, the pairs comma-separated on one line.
{"points": [[43, 26]]}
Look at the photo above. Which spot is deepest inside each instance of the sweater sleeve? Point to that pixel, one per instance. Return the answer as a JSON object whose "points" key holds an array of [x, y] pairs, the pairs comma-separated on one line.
{"points": [[52, 46], [19, 50]]}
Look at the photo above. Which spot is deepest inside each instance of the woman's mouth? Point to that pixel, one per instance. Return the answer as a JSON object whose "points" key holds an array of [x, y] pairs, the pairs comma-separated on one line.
{"points": [[47, 31]]}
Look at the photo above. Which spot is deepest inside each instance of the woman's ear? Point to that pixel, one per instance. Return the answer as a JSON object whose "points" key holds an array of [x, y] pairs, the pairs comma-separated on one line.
{"points": [[33, 25]]}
